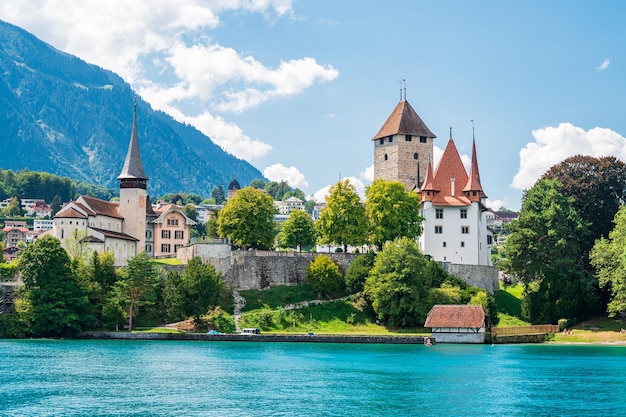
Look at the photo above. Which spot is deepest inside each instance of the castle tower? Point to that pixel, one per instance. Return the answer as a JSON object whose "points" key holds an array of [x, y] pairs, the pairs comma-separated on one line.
{"points": [[403, 147], [133, 185]]}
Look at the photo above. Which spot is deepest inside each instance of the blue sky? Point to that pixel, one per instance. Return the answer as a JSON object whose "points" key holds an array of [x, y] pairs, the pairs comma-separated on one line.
{"points": [[299, 87]]}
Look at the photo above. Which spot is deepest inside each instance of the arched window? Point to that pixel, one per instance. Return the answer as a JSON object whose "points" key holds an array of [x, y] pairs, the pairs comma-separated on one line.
{"points": [[385, 157]]}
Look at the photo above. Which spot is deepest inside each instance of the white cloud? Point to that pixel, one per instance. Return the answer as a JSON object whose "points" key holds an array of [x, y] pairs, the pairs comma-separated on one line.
{"points": [[291, 175], [164, 50], [229, 136], [554, 144], [604, 65], [321, 194], [495, 205], [368, 173]]}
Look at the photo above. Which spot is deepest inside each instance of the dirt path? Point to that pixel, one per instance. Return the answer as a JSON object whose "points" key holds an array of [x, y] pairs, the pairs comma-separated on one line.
{"points": [[240, 303]]}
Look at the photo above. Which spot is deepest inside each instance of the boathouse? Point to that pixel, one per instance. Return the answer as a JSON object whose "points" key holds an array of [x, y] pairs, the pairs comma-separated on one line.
{"points": [[458, 323]]}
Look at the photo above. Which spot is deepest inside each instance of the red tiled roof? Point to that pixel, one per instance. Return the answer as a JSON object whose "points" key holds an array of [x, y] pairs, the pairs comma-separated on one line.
{"points": [[404, 120], [460, 316], [473, 183], [101, 207], [450, 167], [8, 229]]}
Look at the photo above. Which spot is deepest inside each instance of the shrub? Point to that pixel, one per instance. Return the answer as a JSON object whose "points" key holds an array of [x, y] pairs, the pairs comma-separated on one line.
{"points": [[324, 276], [358, 271]]}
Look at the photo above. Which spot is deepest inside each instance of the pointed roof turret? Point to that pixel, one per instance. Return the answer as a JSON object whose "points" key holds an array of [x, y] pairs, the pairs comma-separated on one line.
{"points": [[404, 120], [132, 172], [473, 182], [428, 190]]}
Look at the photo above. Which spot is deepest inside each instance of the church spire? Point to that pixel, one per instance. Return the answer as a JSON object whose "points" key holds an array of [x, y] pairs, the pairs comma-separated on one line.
{"points": [[473, 188], [133, 175]]}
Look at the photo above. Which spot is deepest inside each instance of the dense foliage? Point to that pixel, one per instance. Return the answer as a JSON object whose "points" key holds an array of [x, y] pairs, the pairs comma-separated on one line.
{"points": [[54, 304], [392, 212], [357, 272], [325, 276], [247, 219], [298, 231], [343, 221], [608, 257], [545, 251]]}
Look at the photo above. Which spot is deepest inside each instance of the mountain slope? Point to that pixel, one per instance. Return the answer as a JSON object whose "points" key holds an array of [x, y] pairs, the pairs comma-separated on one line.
{"points": [[64, 116]]}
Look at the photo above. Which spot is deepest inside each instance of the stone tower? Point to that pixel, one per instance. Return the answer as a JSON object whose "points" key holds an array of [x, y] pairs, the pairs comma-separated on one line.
{"points": [[403, 147], [133, 193]]}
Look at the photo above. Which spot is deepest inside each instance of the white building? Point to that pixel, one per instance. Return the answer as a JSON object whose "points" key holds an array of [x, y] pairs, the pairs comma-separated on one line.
{"points": [[455, 216]]}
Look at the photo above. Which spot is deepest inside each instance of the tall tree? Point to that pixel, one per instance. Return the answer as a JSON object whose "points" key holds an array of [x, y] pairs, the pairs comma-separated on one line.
{"points": [[398, 284], [597, 187], [201, 286], [137, 284], [298, 230], [391, 212], [544, 250], [609, 258], [248, 219], [218, 194], [57, 303], [343, 222], [55, 206]]}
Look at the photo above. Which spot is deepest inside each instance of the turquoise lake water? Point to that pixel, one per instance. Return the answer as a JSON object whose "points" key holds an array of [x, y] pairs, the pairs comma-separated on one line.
{"points": [[168, 378]]}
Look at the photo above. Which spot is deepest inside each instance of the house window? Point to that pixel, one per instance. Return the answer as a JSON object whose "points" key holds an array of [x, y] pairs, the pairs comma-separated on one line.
{"points": [[165, 234], [438, 213], [489, 239], [462, 244], [176, 247], [465, 229], [148, 234], [408, 138], [415, 155], [149, 248], [438, 230], [444, 244], [474, 193], [464, 213], [390, 139], [385, 157], [179, 234], [165, 248], [381, 140], [422, 139]]}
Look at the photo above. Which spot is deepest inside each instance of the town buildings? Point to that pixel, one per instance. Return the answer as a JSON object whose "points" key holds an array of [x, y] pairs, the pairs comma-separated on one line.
{"points": [[452, 202], [130, 226]]}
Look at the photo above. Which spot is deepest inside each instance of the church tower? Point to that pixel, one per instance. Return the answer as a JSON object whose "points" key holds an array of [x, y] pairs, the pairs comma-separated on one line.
{"points": [[133, 193], [403, 147]]}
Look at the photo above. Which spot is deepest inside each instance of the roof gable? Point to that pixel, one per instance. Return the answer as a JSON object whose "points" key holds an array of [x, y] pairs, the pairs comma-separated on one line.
{"points": [[450, 178], [404, 120], [459, 316]]}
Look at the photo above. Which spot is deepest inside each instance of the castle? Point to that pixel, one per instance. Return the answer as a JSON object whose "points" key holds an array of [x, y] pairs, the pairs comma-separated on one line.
{"points": [[126, 228], [452, 202]]}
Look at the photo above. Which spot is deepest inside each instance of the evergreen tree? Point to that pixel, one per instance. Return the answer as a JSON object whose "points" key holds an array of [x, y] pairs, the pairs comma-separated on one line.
{"points": [[218, 194]]}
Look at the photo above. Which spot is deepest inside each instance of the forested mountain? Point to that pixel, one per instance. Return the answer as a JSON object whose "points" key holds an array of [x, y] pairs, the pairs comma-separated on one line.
{"points": [[61, 115]]}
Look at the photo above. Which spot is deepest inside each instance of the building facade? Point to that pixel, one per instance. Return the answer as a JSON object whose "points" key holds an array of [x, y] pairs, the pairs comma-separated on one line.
{"points": [[452, 202]]}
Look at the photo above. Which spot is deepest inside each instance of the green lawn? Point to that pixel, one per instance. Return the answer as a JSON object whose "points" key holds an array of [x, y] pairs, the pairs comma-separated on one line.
{"points": [[168, 261], [509, 302]]}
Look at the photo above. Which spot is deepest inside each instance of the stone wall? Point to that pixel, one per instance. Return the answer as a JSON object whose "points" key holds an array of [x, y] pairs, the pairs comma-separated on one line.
{"points": [[481, 276], [246, 270]]}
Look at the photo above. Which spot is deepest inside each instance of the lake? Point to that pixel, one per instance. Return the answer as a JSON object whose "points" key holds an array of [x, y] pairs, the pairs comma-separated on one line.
{"points": [[186, 378]]}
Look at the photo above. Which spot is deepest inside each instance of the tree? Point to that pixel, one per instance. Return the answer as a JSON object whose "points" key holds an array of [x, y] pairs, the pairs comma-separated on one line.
{"points": [[257, 183], [343, 222], [14, 209], [398, 284], [137, 285], [391, 212], [201, 286], [298, 230], [324, 275], [544, 250], [248, 219], [597, 187], [55, 206], [608, 257], [218, 194], [193, 198], [358, 271], [56, 301]]}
